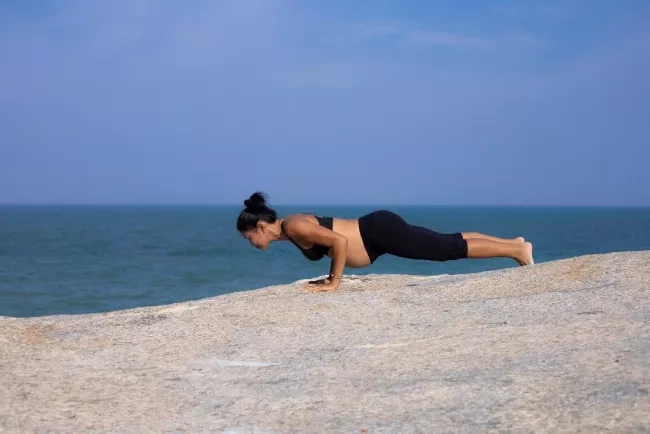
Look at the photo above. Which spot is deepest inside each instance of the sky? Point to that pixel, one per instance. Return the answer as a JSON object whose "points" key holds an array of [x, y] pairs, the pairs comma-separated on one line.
{"points": [[478, 102]]}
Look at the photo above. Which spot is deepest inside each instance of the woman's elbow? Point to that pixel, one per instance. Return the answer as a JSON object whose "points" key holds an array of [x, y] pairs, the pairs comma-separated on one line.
{"points": [[340, 243]]}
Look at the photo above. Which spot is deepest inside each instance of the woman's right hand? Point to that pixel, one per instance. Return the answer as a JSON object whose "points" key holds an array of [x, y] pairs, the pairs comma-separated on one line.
{"points": [[325, 281]]}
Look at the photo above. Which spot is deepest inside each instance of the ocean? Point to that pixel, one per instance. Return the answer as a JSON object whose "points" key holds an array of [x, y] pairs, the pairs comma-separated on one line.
{"points": [[83, 259]]}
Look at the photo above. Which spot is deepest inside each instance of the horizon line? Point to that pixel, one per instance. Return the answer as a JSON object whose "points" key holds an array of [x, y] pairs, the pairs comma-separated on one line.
{"points": [[205, 204]]}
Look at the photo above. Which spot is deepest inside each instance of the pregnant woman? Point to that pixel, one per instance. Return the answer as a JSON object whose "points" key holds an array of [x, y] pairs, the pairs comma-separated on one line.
{"points": [[359, 242]]}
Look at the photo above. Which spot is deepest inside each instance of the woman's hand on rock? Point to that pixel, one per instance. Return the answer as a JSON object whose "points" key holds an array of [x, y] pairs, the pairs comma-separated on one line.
{"points": [[324, 281], [322, 287]]}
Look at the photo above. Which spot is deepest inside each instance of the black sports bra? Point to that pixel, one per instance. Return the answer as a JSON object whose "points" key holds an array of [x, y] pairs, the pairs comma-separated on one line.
{"points": [[317, 251]]}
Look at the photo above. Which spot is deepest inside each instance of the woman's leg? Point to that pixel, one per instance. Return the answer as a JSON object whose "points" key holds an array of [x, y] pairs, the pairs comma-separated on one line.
{"points": [[485, 248], [477, 235], [389, 233]]}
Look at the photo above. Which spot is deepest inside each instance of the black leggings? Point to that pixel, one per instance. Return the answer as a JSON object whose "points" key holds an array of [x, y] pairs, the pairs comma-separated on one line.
{"points": [[386, 232]]}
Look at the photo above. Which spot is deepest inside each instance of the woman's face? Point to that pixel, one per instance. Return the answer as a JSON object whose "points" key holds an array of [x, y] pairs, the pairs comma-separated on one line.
{"points": [[259, 237]]}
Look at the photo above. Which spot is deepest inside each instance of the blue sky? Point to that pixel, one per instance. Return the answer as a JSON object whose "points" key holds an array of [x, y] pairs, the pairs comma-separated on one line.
{"points": [[337, 102]]}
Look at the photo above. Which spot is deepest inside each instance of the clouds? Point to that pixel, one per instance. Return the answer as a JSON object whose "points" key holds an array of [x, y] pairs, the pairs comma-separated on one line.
{"points": [[266, 43], [181, 96], [520, 9], [135, 34], [405, 32], [431, 37]]}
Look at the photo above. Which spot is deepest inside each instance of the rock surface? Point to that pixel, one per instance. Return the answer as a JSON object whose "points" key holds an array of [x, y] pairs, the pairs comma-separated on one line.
{"points": [[562, 346]]}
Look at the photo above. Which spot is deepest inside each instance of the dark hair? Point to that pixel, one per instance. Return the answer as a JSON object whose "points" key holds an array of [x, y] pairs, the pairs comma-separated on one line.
{"points": [[255, 211]]}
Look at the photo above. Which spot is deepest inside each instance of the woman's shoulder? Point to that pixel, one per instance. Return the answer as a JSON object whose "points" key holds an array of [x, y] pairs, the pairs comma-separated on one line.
{"points": [[297, 222], [297, 218]]}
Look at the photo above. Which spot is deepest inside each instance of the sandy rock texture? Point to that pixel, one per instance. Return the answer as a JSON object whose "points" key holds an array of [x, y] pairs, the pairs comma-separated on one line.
{"points": [[562, 346]]}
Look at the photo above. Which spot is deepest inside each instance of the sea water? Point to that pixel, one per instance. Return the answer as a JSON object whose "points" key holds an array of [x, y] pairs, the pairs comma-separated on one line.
{"points": [[82, 259]]}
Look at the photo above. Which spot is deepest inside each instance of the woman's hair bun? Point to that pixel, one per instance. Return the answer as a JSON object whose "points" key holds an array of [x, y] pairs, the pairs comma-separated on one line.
{"points": [[256, 210], [257, 201]]}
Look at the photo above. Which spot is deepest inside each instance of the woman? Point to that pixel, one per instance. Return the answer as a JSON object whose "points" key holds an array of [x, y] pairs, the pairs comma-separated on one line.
{"points": [[359, 242]]}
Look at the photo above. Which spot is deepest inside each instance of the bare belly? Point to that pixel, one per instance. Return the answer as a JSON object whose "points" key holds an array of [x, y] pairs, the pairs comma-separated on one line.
{"points": [[357, 256]]}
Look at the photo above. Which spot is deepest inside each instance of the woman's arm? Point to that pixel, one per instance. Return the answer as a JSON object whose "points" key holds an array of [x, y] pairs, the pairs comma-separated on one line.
{"points": [[318, 234]]}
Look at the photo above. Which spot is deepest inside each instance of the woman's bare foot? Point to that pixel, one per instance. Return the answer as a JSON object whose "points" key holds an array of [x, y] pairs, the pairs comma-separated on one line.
{"points": [[526, 255]]}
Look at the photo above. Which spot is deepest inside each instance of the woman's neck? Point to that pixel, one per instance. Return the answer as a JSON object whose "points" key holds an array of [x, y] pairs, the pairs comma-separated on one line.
{"points": [[278, 232]]}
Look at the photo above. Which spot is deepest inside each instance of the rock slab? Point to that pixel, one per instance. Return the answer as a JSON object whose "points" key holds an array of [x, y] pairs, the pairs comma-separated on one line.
{"points": [[562, 346]]}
